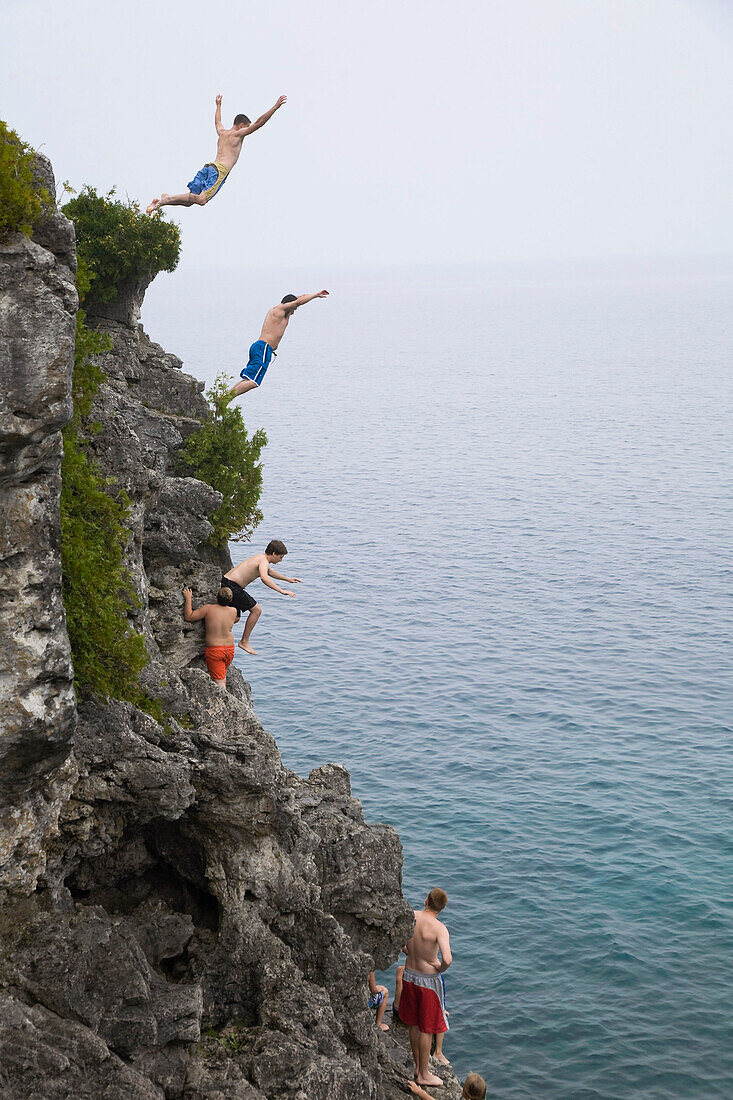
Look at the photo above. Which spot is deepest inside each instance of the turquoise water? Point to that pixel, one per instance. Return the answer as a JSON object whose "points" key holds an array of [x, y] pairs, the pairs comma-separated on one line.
{"points": [[508, 494]]}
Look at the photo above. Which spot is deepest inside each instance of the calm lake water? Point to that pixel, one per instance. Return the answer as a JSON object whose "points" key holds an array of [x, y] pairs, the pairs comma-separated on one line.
{"points": [[508, 494]]}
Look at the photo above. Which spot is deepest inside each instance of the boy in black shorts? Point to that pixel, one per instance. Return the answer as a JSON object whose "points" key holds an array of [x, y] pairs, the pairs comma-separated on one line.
{"points": [[239, 576]]}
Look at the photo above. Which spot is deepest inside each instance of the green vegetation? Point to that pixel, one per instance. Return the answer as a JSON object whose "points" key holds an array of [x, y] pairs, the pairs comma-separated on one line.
{"points": [[118, 243], [88, 375], [115, 242], [223, 455], [232, 1036], [21, 204], [108, 655], [97, 589], [228, 1038]]}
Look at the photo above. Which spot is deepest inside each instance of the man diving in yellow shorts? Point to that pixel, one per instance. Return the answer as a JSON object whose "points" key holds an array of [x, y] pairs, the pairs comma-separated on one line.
{"points": [[212, 176]]}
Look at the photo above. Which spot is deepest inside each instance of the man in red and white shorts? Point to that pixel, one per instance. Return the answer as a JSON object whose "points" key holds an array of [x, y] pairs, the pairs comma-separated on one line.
{"points": [[422, 1003]]}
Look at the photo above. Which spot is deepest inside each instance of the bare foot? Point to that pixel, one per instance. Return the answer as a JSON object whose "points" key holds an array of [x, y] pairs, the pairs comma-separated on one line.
{"points": [[383, 1027], [153, 206], [442, 1059], [429, 1079], [247, 648]]}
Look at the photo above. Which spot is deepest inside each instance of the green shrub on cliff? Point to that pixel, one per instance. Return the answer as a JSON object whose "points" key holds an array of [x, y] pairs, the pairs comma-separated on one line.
{"points": [[88, 375], [118, 243], [97, 590], [223, 455], [21, 205], [108, 656]]}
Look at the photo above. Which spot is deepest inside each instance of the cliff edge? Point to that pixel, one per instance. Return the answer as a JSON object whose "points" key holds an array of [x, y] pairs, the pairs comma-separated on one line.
{"points": [[180, 915]]}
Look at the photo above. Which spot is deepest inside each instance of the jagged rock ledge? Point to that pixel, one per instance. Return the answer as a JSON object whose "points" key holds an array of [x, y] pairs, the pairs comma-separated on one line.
{"points": [[180, 915]]}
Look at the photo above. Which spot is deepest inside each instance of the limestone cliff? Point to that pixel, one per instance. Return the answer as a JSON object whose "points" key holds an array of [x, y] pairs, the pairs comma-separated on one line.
{"points": [[37, 709], [181, 915]]}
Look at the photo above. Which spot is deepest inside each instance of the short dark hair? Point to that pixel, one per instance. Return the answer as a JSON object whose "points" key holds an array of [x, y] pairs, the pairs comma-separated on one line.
{"points": [[437, 899], [224, 596], [288, 298], [276, 547], [239, 119]]}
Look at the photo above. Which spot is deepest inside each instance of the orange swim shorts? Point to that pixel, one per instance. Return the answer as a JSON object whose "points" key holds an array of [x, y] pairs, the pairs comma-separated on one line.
{"points": [[218, 660]]}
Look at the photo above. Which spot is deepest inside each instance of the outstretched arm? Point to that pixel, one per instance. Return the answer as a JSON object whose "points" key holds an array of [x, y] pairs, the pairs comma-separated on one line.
{"points": [[280, 577], [189, 614], [264, 118], [301, 300], [217, 116], [265, 578]]}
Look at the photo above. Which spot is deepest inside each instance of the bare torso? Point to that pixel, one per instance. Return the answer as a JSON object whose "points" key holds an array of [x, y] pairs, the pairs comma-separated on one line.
{"points": [[229, 146], [247, 570], [422, 948], [219, 622], [274, 325]]}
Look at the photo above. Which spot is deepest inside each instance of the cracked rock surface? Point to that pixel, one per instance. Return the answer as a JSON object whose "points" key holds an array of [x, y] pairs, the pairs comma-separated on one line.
{"points": [[38, 303], [180, 915]]}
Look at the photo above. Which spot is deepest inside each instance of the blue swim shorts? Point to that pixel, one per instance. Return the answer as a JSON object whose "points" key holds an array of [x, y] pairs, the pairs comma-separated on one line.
{"points": [[210, 179], [260, 355]]}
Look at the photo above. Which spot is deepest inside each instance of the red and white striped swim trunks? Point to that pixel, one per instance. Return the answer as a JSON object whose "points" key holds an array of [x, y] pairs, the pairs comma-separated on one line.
{"points": [[422, 1003]]}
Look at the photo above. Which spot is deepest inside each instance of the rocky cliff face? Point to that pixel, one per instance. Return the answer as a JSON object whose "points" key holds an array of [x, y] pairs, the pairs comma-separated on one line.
{"points": [[37, 708], [181, 915]]}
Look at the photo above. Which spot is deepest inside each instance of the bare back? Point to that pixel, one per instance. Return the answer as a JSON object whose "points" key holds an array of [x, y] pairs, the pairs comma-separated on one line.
{"points": [[247, 570], [274, 325], [219, 622], [422, 948], [229, 146]]}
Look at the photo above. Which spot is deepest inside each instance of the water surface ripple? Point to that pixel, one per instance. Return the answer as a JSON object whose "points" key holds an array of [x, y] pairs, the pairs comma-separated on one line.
{"points": [[509, 498]]}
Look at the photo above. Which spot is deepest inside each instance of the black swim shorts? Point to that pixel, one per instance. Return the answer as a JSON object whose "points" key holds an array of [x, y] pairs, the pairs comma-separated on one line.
{"points": [[241, 598]]}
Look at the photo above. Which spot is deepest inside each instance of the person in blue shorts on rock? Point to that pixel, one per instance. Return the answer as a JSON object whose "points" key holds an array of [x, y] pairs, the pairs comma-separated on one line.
{"points": [[378, 996], [273, 329]]}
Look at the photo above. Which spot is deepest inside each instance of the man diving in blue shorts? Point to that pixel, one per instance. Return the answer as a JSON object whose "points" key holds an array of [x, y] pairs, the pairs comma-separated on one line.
{"points": [[210, 179], [273, 329]]}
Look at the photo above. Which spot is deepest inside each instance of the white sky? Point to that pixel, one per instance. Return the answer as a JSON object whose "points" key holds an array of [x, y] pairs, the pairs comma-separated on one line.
{"points": [[477, 130]]}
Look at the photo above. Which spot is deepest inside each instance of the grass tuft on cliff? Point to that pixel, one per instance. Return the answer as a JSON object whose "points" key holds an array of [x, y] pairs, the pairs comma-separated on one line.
{"points": [[118, 243], [97, 590], [21, 202], [223, 455]]}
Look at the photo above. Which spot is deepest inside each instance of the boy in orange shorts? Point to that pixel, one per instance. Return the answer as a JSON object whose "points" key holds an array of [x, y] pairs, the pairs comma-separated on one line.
{"points": [[219, 618]]}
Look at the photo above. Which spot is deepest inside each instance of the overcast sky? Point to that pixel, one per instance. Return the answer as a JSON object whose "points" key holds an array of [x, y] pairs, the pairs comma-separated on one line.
{"points": [[471, 130]]}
